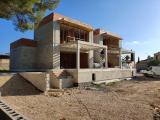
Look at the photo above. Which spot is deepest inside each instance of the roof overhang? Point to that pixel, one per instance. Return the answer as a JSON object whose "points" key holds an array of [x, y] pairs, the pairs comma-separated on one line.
{"points": [[75, 23], [112, 35], [84, 46]]}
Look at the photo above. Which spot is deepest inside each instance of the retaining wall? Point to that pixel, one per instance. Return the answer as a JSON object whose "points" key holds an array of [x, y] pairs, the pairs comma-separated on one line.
{"points": [[103, 74], [38, 79]]}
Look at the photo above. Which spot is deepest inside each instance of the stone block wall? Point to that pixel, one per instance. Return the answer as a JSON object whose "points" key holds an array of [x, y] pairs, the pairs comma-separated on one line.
{"points": [[22, 58], [4, 64], [38, 79], [48, 39]]}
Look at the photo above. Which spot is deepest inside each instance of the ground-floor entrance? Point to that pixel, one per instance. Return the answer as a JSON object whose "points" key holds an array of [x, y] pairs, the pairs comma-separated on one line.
{"points": [[68, 60]]}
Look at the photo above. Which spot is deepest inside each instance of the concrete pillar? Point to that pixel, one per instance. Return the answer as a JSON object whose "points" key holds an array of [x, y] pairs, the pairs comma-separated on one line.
{"points": [[91, 36], [120, 52], [78, 55], [106, 58], [90, 59], [120, 61], [47, 81]]}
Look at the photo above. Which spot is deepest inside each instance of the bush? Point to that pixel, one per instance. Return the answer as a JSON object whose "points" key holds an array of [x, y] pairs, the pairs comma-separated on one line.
{"points": [[154, 63]]}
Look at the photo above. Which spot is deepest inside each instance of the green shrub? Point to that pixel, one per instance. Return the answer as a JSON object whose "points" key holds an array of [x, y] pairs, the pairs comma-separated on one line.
{"points": [[154, 63]]}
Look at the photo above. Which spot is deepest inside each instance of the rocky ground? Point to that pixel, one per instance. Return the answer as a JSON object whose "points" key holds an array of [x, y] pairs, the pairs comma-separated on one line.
{"points": [[137, 99]]}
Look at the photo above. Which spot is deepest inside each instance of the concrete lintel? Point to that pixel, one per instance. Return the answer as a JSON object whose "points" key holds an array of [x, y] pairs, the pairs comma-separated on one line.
{"points": [[85, 46]]}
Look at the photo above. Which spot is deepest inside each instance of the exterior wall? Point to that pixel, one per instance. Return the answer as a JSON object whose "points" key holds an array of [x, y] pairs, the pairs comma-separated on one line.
{"points": [[114, 50], [157, 56], [23, 42], [48, 51], [74, 73], [44, 38], [156, 70], [142, 65], [22, 58], [4, 64], [98, 39], [38, 79], [103, 74], [113, 60]]}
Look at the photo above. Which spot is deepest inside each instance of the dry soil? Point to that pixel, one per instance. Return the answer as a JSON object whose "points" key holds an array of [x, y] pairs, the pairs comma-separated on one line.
{"points": [[137, 99]]}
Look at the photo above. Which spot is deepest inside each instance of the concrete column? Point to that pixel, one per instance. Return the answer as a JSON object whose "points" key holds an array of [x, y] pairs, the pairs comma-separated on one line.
{"points": [[78, 55], [120, 52], [47, 81], [91, 37], [120, 61], [90, 59], [106, 58]]}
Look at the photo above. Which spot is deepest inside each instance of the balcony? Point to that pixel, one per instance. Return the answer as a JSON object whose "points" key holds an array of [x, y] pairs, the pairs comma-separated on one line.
{"points": [[72, 34]]}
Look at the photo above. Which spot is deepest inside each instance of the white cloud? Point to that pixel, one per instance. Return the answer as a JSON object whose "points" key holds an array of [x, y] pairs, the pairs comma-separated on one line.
{"points": [[135, 42]]}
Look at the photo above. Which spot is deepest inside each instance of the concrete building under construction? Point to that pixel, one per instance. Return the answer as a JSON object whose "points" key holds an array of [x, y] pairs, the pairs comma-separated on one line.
{"points": [[71, 52]]}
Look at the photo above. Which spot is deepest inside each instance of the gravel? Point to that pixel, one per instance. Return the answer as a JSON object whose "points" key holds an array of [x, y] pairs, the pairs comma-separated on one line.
{"points": [[137, 99]]}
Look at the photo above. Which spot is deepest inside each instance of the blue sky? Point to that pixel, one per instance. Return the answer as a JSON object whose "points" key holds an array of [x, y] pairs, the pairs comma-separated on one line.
{"points": [[137, 21]]}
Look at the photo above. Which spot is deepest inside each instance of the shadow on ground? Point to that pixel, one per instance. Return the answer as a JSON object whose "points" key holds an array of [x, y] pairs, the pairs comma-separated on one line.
{"points": [[15, 85]]}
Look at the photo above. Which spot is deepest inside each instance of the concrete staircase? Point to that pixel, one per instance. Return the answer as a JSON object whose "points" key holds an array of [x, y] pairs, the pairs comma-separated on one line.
{"points": [[63, 74]]}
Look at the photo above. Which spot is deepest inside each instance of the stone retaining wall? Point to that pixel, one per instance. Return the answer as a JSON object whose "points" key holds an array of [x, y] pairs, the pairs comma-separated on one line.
{"points": [[38, 79]]}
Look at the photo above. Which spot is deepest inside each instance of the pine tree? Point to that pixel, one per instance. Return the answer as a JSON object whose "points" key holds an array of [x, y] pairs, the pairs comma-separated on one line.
{"points": [[138, 59], [24, 13]]}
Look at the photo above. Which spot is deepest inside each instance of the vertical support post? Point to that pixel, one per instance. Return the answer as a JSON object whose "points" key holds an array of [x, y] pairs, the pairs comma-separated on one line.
{"points": [[106, 58], [47, 81], [120, 61], [120, 53], [91, 36], [78, 55]]}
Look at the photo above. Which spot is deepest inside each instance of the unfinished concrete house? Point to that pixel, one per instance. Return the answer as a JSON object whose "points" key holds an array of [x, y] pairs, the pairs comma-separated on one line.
{"points": [[157, 56], [4, 62], [67, 52]]}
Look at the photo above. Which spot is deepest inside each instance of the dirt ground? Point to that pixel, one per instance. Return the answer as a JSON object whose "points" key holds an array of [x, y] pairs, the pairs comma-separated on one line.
{"points": [[137, 99]]}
